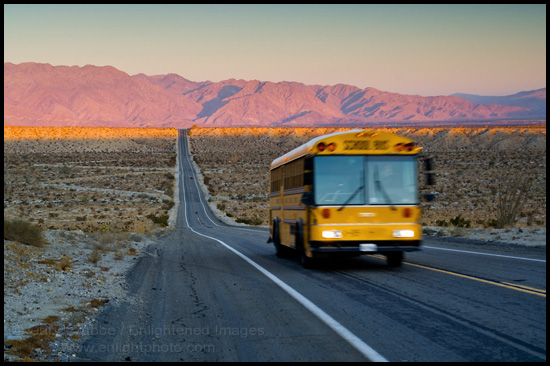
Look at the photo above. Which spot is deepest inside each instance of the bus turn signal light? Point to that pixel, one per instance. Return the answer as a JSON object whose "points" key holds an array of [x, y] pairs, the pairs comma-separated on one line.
{"points": [[404, 147], [321, 146]]}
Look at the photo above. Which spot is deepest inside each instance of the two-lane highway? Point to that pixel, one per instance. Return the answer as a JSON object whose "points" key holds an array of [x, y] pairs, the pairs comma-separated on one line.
{"points": [[213, 292]]}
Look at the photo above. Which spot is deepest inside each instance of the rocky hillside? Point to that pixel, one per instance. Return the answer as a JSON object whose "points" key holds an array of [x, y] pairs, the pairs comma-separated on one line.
{"points": [[45, 95]]}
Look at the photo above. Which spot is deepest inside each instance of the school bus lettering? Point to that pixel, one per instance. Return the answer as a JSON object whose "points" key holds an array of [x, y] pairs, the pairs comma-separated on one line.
{"points": [[380, 144], [356, 145], [365, 145]]}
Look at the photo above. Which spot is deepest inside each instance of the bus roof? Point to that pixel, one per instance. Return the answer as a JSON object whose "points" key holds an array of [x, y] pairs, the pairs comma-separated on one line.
{"points": [[351, 142]]}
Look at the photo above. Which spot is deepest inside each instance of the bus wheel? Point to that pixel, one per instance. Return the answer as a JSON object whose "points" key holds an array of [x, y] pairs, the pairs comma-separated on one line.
{"points": [[305, 261], [394, 259], [280, 250]]}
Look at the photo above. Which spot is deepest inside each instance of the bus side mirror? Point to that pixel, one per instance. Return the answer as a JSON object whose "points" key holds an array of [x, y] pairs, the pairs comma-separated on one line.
{"points": [[430, 180], [428, 164], [429, 197], [428, 167], [308, 199]]}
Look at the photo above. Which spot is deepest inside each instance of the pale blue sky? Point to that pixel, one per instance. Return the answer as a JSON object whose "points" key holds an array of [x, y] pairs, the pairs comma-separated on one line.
{"points": [[408, 49]]}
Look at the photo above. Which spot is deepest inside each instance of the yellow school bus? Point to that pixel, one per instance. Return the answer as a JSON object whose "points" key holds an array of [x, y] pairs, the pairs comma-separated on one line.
{"points": [[346, 193]]}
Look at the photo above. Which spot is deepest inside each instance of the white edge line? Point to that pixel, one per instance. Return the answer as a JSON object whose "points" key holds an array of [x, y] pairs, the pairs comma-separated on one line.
{"points": [[351, 338], [489, 254]]}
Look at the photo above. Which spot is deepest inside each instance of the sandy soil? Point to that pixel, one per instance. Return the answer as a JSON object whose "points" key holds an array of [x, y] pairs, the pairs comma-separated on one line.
{"points": [[51, 294], [89, 179]]}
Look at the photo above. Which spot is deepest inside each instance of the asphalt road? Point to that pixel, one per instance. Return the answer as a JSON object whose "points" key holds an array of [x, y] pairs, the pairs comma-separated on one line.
{"points": [[212, 292]]}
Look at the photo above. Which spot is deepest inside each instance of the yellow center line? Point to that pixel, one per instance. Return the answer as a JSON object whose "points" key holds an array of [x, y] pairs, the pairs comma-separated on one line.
{"points": [[525, 287], [529, 290]]}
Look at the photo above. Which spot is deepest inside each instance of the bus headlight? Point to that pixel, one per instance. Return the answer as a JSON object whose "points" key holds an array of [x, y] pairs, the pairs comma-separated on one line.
{"points": [[403, 233], [332, 234]]}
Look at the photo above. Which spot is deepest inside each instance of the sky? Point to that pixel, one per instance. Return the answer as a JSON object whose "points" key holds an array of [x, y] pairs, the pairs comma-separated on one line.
{"points": [[425, 50]]}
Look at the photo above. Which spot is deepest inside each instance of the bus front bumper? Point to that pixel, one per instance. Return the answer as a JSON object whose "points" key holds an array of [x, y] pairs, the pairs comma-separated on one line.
{"points": [[364, 247]]}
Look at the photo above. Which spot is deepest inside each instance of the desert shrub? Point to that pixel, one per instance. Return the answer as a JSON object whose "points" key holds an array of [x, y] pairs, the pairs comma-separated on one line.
{"points": [[95, 256], [105, 228], [428, 231], [457, 221], [161, 220], [511, 197], [172, 160], [167, 204], [254, 221], [64, 264], [65, 170], [106, 240], [23, 232], [38, 337]]}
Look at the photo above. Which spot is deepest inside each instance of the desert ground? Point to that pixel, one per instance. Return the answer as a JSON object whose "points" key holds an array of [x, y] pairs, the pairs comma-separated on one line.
{"points": [[102, 195], [90, 179]]}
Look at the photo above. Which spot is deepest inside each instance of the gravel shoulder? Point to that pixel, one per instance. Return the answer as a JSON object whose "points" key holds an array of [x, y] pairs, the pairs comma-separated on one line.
{"points": [[528, 237], [51, 293]]}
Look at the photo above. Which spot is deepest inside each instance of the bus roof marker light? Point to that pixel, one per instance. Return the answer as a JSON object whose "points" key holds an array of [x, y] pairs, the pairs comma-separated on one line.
{"points": [[321, 146], [331, 146]]}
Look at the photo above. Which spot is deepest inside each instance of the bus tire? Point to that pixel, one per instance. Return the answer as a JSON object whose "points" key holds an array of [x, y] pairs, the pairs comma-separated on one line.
{"points": [[305, 261], [280, 250], [394, 259]]}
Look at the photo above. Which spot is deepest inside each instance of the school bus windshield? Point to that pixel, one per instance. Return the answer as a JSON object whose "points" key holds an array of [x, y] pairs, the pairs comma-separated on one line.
{"points": [[365, 179]]}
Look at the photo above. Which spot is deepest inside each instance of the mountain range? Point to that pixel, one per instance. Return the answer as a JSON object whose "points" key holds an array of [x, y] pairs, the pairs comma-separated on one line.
{"points": [[38, 94]]}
